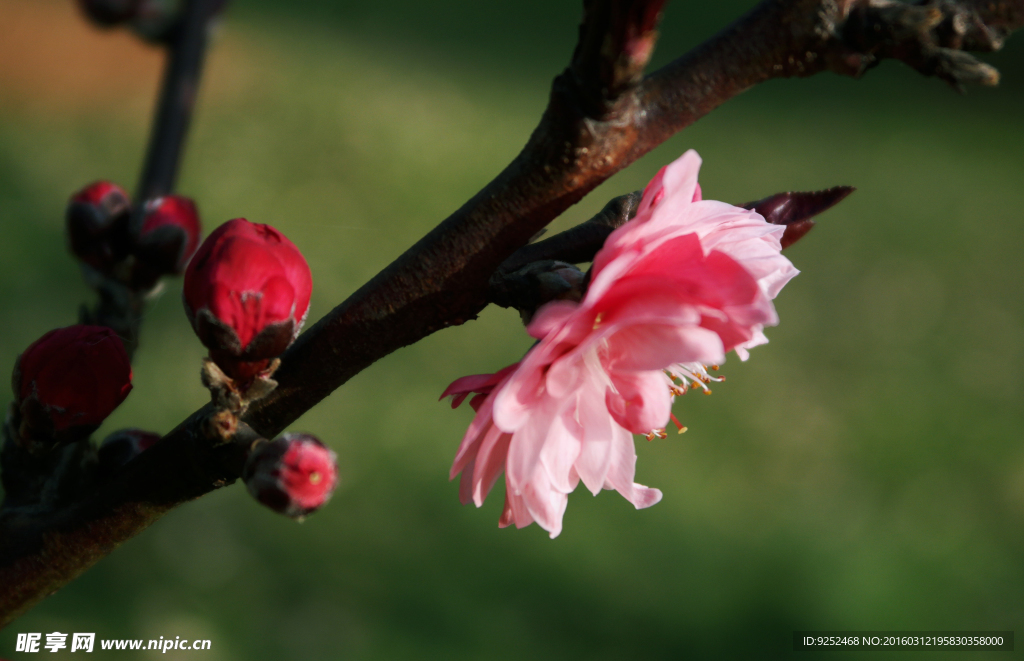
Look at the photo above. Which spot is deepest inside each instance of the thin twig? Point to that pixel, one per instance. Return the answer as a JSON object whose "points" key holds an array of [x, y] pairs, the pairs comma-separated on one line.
{"points": [[187, 47]]}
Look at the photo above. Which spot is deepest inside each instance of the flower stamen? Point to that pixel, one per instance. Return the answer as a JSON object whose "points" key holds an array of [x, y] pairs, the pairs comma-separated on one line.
{"points": [[690, 375], [655, 433], [675, 420]]}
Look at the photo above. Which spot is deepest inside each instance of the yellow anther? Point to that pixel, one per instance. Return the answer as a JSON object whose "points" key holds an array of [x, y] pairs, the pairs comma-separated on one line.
{"points": [[675, 421]]}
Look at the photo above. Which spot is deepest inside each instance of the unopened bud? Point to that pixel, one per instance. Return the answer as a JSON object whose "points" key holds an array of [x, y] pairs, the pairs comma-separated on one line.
{"points": [[154, 19], [535, 284], [97, 225], [68, 381], [796, 210], [294, 475], [109, 12], [246, 293], [122, 446], [167, 239]]}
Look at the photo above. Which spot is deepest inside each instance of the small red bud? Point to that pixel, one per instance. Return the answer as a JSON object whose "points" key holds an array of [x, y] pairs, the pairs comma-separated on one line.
{"points": [[167, 239], [155, 19], [294, 475], [97, 225], [69, 380], [122, 446], [246, 294]]}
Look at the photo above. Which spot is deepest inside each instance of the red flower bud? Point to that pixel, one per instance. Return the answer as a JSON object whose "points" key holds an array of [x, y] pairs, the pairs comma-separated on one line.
{"points": [[69, 380], [97, 225], [167, 239], [156, 19], [247, 295], [122, 446], [109, 12], [294, 475]]}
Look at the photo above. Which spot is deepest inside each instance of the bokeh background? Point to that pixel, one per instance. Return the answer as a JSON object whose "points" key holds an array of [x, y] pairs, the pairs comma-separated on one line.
{"points": [[865, 470]]}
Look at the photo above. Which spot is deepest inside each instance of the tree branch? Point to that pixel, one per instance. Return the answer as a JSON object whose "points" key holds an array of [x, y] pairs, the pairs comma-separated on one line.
{"points": [[121, 307], [599, 120], [578, 244], [187, 48]]}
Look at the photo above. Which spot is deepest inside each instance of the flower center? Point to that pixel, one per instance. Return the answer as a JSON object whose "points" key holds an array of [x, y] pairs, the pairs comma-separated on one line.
{"points": [[684, 377]]}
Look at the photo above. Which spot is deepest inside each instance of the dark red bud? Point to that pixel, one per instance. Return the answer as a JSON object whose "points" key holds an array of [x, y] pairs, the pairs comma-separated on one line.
{"points": [[167, 239], [639, 30], [97, 225], [246, 293], [535, 284], [796, 210], [109, 12], [294, 475], [154, 20], [122, 446], [68, 381]]}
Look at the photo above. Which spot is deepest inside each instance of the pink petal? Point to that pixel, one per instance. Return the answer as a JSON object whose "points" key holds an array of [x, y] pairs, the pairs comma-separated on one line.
{"points": [[563, 376], [478, 383], [595, 451], [642, 401], [489, 464], [527, 443], [545, 504], [656, 346], [515, 512], [466, 481], [622, 470], [550, 317], [560, 452], [477, 428]]}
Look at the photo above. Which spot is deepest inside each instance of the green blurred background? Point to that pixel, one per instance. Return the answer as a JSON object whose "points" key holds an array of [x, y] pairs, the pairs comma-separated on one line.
{"points": [[865, 470]]}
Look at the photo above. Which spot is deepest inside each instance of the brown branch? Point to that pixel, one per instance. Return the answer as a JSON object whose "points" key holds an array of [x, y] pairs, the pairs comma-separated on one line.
{"points": [[578, 244], [121, 307], [186, 51], [597, 122]]}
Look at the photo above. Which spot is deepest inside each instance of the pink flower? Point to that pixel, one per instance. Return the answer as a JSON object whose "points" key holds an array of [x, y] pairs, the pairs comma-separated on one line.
{"points": [[673, 290]]}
